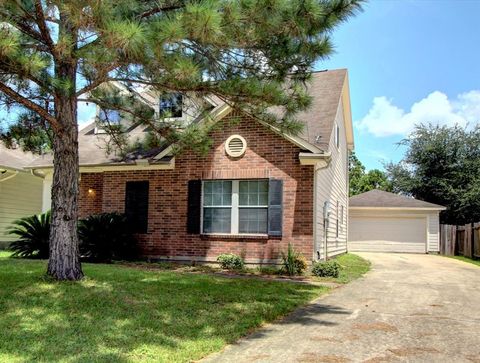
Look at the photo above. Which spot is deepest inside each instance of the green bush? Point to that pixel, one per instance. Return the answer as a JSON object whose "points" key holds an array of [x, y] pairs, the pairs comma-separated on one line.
{"points": [[294, 263], [105, 237], [33, 234], [329, 268], [230, 261]]}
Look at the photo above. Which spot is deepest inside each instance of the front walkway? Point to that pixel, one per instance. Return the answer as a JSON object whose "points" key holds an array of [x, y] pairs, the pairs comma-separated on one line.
{"points": [[415, 308]]}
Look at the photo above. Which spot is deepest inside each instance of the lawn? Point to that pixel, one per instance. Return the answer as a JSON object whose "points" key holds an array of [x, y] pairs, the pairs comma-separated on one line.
{"points": [[121, 314], [353, 267], [466, 259]]}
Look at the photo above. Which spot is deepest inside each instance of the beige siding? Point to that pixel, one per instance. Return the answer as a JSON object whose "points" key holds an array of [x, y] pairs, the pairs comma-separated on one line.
{"points": [[20, 196], [388, 234], [332, 185], [394, 231], [433, 232]]}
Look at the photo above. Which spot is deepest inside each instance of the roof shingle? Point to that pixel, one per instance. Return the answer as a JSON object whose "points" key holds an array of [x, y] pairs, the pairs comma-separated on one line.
{"points": [[381, 199]]}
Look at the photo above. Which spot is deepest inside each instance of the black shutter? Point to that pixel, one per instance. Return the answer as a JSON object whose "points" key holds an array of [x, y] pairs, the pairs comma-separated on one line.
{"points": [[136, 205], [275, 207], [194, 206]]}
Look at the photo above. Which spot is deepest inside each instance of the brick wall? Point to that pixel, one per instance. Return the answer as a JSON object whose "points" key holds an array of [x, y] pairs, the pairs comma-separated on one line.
{"points": [[267, 155]]}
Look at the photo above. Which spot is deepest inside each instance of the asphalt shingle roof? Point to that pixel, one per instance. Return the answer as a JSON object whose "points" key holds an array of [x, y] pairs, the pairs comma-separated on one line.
{"points": [[380, 199], [325, 88]]}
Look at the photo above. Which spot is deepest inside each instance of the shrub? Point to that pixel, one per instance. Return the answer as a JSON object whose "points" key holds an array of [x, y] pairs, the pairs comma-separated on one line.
{"points": [[329, 268], [33, 233], [230, 261], [105, 237], [294, 263]]}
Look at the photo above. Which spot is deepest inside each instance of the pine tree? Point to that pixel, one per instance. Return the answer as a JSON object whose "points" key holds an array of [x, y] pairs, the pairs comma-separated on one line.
{"points": [[54, 54]]}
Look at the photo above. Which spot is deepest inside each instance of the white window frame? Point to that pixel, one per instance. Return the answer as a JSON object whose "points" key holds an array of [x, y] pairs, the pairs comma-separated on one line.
{"points": [[235, 209], [337, 136]]}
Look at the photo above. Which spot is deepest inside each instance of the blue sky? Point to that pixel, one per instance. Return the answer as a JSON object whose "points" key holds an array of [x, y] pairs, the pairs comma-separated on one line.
{"points": [[408, 62]]}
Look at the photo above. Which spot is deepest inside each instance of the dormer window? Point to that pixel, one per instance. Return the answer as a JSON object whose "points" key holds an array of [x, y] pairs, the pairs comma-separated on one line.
{"points": [[111, 117], [171, 105]]}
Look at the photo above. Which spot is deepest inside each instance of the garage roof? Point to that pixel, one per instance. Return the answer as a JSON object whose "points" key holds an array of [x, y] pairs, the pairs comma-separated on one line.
{"points": [[380, 199]]}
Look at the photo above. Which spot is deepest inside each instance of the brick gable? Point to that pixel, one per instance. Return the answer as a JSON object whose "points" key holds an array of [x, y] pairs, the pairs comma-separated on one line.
{"points": [[268, 155]]}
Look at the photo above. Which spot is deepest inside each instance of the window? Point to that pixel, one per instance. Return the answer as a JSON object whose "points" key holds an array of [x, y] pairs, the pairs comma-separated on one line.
{"points": [[337, 224], [136, 205], [235, 206], [171, 105], [337, 136]]}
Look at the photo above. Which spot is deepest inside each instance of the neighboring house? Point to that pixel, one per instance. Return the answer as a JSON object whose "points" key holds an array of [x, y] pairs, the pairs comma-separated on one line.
{"points": [[20, 190], [386, 222], [256, 191]]}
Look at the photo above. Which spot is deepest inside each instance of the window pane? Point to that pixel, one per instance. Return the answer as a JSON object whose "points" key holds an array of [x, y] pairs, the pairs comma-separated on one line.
{"points": [[171, 105], [253, 193], [217, 193], [252, 220], [263, 186], [207, 199], [217, 220], [243, 199], [263, 199], [243, 186]]}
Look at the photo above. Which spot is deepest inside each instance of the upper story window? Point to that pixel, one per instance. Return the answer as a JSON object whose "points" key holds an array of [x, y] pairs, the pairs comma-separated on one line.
{"points": [[109, 116], [171, 105], [337, 135]]}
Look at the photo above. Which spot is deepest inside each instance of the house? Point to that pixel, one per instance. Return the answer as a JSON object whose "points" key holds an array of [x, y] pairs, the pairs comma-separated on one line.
{"points": [[385, 222], [20, 190], [256, 191]]}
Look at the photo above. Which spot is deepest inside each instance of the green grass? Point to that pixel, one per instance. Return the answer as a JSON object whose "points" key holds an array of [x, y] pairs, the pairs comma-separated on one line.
{"points": [[122, 314], [353, 267], [466, 259]]}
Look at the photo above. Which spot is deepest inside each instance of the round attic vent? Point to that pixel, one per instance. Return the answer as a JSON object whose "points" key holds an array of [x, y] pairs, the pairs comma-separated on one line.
{"points": [[235, 146]]}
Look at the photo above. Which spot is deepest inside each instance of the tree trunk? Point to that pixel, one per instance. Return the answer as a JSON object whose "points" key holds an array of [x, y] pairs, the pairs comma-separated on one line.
{"points": [[64, 261]]}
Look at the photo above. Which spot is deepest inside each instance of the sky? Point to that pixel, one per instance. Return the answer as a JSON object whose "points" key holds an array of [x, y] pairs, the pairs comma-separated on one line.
{"points": [[409, 62]]}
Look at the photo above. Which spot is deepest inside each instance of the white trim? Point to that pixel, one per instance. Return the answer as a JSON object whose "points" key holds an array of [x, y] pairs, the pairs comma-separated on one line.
{"points": [[398, 208], [322, 159], [235, 210], [216, 114], [100, 168]]}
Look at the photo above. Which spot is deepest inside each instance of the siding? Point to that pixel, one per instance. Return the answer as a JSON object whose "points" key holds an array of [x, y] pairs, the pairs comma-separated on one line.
{"points": [[430, 235], [20, 196], [433, 243], [332, 186]]}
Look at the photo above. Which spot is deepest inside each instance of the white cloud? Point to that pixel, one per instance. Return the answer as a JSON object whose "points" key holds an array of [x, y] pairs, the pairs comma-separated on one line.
{"points": [[386, 119]]}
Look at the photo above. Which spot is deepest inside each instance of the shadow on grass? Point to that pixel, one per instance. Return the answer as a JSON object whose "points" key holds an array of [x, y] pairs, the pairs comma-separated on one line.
{"points": [[120, 314]]}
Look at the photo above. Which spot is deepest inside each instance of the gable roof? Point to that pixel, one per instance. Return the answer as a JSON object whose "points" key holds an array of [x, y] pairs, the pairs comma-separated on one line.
{"points": [[327, 88], [14, 158], [380, 199]]}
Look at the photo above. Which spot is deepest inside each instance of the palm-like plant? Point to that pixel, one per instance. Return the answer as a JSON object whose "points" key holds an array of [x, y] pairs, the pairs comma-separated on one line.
{"points": [[105, 237], [33, 233]]}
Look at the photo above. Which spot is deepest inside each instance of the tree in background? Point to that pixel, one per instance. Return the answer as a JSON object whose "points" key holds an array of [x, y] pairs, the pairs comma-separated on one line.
{"points": [[442, 166], [361, 181], [54, 54]]}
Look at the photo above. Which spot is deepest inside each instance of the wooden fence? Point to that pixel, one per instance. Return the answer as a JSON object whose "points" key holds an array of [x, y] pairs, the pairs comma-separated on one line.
{"points": [[460, 240]]}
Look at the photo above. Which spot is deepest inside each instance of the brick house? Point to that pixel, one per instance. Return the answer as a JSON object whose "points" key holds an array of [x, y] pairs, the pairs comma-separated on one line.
{"points": [[253, 193]]}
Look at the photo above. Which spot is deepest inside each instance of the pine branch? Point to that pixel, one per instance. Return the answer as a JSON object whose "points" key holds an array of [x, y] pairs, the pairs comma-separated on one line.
{"points": [[17, 97], [42, 25]]}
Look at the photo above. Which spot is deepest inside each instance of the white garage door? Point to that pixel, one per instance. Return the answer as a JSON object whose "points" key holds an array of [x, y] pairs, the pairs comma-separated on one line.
{"points": [[381, 234]]}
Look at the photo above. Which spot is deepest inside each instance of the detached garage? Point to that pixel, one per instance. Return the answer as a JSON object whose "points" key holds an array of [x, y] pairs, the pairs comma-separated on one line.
{"points": [[385, 222]]}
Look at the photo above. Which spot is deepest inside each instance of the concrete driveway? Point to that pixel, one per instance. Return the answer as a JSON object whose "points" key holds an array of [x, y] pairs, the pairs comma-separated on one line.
{"points": [[415, 308]]}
